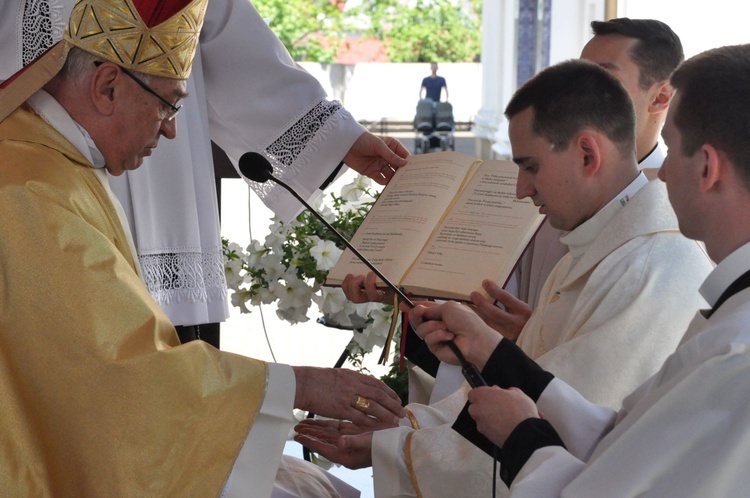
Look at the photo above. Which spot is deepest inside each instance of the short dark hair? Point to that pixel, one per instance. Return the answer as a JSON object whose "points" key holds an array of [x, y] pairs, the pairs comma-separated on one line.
{"points": [[713, 89], [574, 95], [658, 51]]}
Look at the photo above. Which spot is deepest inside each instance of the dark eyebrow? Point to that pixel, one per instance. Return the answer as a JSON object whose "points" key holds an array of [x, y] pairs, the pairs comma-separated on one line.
{"points": [[521, 160]]}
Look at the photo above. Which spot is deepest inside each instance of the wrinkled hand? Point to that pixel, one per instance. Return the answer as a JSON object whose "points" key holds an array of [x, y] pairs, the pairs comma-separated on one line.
{"points": [[340, 442], [362, 289], [451, 321], [376, 157], [509, 321], [332, 392], [499, 411]]}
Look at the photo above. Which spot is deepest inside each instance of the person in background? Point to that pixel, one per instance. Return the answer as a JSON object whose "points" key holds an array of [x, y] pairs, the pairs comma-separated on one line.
{"points": [[433, 85]]}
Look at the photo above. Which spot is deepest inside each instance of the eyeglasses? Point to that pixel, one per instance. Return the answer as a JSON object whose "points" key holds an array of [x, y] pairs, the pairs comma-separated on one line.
{"points": [[171, 109]]}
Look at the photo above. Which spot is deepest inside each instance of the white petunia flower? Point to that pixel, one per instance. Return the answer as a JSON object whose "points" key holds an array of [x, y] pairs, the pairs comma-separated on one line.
{"points": [[254, 252], [354, 191], [233, 273], [326, 254], [331, 301], [239, 299], [273, 265]]}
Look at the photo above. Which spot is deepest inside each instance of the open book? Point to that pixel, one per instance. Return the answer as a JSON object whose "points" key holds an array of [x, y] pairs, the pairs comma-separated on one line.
{"points": [[444, 222]]}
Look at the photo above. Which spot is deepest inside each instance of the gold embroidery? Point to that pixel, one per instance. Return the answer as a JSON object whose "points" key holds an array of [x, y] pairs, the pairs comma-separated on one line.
{"points": [[113, 30], [407, 457], [412, 419]]}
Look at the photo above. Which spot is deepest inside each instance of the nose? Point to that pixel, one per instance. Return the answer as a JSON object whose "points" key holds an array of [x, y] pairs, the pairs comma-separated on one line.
{"points": [[662, 175], [168, 128], [524, 188]]}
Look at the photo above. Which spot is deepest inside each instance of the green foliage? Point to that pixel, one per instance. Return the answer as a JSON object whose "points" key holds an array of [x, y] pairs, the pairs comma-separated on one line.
{"points": [[398, 380], [412, 31], [428, 31], [309, 29]]}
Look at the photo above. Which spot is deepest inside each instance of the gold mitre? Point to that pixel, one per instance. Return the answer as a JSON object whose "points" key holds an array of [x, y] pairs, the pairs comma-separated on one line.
{"points": [[157, 37], [152, 37]]}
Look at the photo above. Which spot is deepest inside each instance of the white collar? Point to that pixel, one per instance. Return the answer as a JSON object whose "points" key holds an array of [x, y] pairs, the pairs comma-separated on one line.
{"points": [[584, 234], [53, 113], [654, 159], [726, 272]]}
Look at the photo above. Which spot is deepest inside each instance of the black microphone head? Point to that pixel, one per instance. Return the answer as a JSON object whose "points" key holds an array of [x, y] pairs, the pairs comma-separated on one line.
{"points": [[255, 167]]}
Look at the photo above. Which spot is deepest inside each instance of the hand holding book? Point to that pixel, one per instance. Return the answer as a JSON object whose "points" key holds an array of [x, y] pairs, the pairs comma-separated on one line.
{"points": [[445, 222]]}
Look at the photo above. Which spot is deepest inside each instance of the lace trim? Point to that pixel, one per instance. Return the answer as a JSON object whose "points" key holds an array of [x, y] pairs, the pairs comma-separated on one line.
{"points": [[289, 145], [43, 25], [182, 277], [294, 148]]}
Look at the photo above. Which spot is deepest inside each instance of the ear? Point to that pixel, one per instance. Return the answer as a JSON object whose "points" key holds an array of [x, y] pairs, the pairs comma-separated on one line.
{"points": [[587, 145], [713, 166], [105, 87], [662, 98]]}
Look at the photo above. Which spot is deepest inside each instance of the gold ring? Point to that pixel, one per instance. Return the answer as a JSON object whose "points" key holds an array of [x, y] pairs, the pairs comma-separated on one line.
{"points": [[362, 404]]}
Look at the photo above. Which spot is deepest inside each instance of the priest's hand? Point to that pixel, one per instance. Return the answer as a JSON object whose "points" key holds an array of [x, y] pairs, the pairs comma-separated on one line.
{"points": [[345, 394], [438, 324], [344, 443], [498, 412], [508, 320], [376, 157]]}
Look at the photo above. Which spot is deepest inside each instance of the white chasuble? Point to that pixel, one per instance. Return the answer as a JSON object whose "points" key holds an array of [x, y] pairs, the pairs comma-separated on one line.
{"points": [[684, 432], [606, 320]]}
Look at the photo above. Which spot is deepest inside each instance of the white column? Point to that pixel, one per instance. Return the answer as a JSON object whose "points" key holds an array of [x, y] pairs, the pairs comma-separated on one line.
{"points": [[498, 70]]}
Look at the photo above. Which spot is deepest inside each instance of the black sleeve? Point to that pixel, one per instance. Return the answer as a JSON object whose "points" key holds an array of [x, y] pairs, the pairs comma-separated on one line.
{"points": [[417, 352], [467, 427], [508, 366], [526, 438]]}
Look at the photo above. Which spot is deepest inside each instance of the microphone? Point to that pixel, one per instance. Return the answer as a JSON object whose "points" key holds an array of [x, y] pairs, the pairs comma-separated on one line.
{"points": [[255, 167]]}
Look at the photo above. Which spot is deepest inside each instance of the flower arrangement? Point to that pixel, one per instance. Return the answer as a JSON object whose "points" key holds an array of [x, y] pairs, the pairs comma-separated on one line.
{"points": [[290, 266]]}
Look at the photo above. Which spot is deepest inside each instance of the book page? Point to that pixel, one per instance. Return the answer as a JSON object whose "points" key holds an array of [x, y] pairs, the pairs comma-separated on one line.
{"points": [[482, 237], [406, 213]]}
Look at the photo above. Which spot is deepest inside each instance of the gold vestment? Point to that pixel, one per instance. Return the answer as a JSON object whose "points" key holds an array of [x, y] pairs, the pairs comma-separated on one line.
{"points": [[96, 397]]}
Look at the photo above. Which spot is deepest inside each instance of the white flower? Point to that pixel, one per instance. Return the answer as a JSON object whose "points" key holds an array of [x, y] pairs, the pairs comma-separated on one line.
{"points": [[352, 192], [277, 236], [375, 332], [233, 272], [273, 265], [328, 214], [325, 253], [297, 294], [293, 315], [263, 296], [291, 294], [239, 298], [234, 247], [331, 301], [254, 252]]}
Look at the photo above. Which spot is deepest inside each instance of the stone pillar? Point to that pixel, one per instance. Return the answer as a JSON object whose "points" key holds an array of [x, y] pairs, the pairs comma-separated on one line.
{"points": [[498, 68]]}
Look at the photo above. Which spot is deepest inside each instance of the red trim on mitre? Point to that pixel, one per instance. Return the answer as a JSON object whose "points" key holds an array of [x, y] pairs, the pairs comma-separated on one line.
{"points": [[155, 12]]}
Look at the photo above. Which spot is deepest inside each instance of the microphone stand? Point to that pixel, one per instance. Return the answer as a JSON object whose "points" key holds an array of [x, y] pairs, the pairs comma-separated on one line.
{"points": [[468, 369]]}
